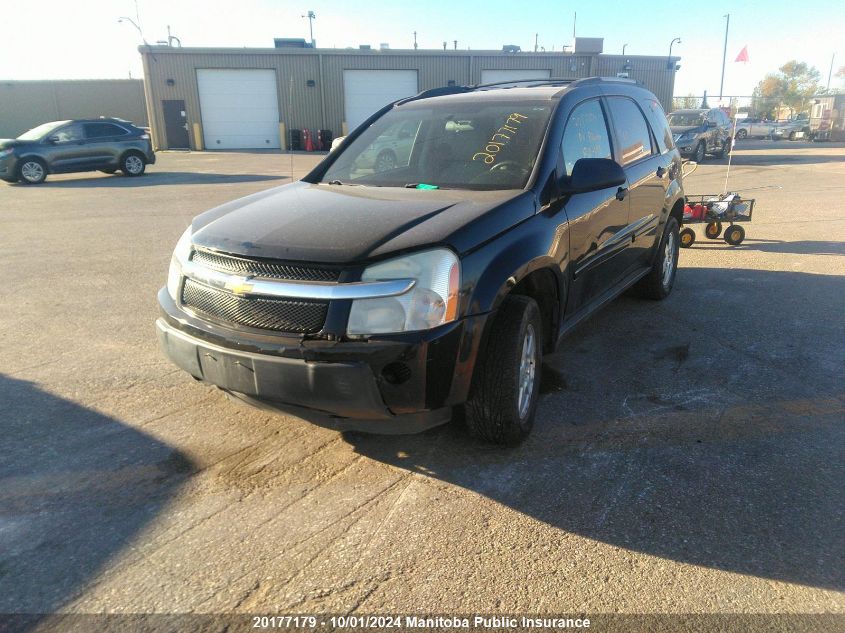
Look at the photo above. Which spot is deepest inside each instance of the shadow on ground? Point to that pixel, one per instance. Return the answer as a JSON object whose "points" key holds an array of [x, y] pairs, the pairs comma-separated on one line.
{"points": [[153, 179], [691, 430], [76, 487], [798, 247]]}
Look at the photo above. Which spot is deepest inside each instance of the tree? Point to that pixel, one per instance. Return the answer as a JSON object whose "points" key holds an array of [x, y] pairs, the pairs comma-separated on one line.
{"points": [[792, 86]]}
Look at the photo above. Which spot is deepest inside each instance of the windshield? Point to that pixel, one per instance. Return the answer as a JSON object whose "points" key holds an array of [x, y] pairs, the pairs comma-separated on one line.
{"points": [[41, 131], [450, 145], [686, 118]]}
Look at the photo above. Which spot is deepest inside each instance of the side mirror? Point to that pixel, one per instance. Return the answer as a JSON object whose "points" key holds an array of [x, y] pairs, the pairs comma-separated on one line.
{"points": [[52, 140], [592, 174]]}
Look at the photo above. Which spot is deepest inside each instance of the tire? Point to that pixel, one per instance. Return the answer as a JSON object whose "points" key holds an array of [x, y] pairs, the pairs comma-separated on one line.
{"points": [[385, 161], [686, 238], [713, 230], [741, 134], [700, 151], [107, 171], [792, 136], [724, 150], [32, 171], [506, 384], [734, 235], [657, 284], [133, 164]]}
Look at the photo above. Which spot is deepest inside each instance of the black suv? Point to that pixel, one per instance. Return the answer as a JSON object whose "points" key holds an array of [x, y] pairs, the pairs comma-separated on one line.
{"points": [[392, 298], [700, 132], [61, 147]]}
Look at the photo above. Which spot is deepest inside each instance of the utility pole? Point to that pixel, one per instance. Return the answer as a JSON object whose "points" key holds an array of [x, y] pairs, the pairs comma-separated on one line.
{"points": [[311, 16], [415, 40], [536, 35], [724, 56], [574, 20], [832, 57]]}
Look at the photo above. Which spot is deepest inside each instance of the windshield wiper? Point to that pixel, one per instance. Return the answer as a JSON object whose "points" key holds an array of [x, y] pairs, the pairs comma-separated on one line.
{"points": [[339, 182]]}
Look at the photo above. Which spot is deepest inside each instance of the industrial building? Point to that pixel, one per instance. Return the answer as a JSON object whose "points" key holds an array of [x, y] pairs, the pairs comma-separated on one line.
{"points": [[27, 104], [226, 98]]}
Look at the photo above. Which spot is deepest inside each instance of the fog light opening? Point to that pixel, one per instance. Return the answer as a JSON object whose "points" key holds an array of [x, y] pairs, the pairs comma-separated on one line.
{"points": [[396, 373]]}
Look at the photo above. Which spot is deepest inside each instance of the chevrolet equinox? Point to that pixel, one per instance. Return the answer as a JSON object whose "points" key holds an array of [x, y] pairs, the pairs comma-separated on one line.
{"points": [[391, 297]]}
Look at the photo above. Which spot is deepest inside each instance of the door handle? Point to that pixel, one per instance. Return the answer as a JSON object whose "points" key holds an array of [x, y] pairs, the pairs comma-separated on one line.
{"points": [[661, 172], [621, 193]]}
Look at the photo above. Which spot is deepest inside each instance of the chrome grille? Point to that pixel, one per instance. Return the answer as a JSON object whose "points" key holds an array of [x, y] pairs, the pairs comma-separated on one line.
{"points": [[283, 315]]}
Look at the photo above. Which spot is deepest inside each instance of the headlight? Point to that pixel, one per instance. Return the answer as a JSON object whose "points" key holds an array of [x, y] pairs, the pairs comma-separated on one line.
{"points": [[5, 152], [431, 302], [180, 255]]}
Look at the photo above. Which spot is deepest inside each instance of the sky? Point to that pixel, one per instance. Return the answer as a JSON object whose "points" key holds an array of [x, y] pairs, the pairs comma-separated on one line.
{"points": [[82, 39]]}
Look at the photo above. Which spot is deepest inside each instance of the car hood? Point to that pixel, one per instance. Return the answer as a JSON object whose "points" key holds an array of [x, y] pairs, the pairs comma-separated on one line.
{"points": [[681, 129], [10, 142], [344, 224]]}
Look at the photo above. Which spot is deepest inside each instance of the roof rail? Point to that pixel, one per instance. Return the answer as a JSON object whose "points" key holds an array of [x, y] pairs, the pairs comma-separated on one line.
{"points": [[436, 92], [540, 81]]}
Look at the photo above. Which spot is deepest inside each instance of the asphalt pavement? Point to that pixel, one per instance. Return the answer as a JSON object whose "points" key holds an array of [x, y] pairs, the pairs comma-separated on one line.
{"points": [[687, 455]]}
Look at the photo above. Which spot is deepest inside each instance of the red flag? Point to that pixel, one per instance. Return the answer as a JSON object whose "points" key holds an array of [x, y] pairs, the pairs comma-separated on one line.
{"points": [[743, 55]]}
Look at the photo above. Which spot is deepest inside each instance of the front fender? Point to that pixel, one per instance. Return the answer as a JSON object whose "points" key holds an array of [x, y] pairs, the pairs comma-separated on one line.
{"points": [[542, 241]]}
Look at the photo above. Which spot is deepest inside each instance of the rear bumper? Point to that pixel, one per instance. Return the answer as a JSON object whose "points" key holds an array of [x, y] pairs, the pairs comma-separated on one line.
{"points": [[400, 384]]}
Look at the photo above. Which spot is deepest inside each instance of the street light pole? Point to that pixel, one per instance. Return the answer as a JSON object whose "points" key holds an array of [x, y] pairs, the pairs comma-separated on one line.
{"points": [[724, 55], [624, 46], [669, 63]]}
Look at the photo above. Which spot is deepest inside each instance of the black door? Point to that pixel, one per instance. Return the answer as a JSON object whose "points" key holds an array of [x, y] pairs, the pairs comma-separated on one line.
{"points": [[175, 124], [597, 219]]}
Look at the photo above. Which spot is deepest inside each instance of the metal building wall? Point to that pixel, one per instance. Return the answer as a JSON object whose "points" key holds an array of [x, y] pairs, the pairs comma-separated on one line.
{"points": [[171, 74], [25, 104]]}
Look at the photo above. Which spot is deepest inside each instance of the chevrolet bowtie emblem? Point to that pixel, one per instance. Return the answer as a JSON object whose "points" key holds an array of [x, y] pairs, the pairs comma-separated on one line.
{"points": [[240, 286]]}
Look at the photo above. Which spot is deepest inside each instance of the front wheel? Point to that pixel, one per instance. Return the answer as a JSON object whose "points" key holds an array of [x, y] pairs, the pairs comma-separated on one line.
{"points": [[741, 133], [506, 384], [657, 284], [32, 171], [133, 165], [385, 161], [700, 151]]}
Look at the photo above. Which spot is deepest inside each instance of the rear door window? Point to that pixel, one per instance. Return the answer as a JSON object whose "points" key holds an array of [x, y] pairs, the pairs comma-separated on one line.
{"points": [[657, 118], [103, 130], [631, 130]]}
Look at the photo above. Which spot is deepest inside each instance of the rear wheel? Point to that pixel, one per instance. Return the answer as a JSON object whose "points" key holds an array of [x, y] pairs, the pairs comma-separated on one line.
{"points": [[686, 238], [734, 235], [725, 149], [506, 384], [713, 230], [657, 284], [32, 171], [133, 165]]}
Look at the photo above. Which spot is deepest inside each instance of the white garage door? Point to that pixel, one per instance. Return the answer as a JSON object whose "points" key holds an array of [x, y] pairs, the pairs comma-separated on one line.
{"points": [[240, 108], [365, 91], [492, 76]]}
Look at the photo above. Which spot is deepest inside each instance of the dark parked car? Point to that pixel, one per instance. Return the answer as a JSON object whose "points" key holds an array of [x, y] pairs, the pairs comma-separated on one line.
{"points": [[393, 298], [61, 147], [700, 132]]}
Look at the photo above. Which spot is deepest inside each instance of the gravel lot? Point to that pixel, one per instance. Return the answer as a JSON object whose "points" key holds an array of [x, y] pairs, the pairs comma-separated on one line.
{"points": [[687, 457]]}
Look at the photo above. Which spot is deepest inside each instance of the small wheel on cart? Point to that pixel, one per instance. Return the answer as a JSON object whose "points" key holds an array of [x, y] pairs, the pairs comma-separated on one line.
{"points": [[687, 238], [734, 235], [713, 230]]}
